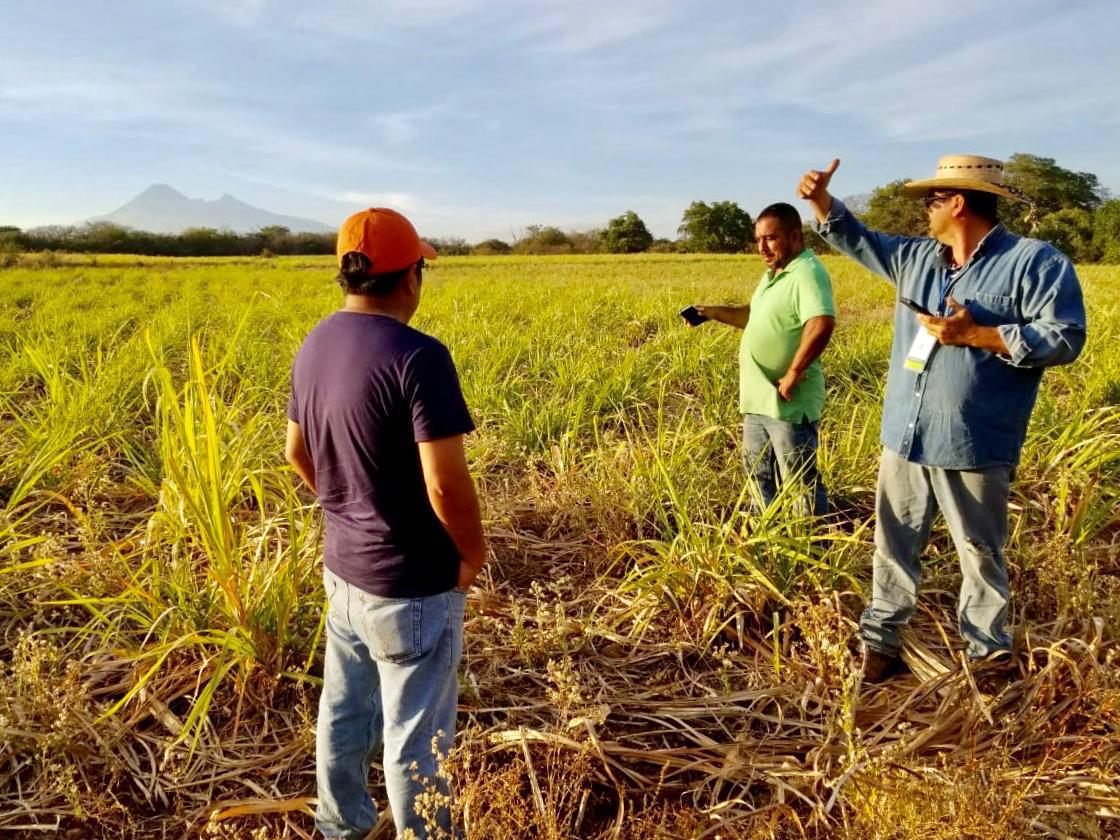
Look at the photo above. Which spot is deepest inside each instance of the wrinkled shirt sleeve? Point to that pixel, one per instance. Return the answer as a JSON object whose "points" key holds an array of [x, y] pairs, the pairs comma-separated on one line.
{"points": [[881, 253], [1054, 311]]}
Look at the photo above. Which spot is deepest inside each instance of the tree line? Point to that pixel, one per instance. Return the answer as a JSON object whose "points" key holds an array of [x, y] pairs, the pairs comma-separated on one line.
{"points": [[1070, 209], [109, 238]]}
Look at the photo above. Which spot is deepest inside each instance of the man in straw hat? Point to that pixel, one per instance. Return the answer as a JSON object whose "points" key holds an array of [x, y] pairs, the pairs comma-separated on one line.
{"points": [[980, 313], [375, 428]]}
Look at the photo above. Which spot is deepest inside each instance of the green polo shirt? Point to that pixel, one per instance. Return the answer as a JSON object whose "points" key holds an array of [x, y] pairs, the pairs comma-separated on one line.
{"points": [[781, 305]]}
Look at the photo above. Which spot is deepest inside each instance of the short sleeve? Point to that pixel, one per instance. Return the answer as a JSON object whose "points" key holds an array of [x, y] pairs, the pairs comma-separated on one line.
{"points": [[814, 294], [293, 404], [435, 396]]}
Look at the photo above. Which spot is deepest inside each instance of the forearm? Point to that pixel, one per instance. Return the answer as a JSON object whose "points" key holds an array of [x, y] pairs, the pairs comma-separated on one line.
{"points": [[296, 454], [735, 316], [814, 339], [987, 338], [878, 252], [305, 470], [821, 206], [458, 509]]}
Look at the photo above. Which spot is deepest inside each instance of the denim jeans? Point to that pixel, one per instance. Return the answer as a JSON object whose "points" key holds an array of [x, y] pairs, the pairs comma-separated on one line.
{"points": [[389, 678], [974, 503], [775, 451]]}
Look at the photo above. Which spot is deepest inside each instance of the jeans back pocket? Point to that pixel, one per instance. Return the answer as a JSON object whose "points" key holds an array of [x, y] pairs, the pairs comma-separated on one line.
{"points": [[392, 627]]}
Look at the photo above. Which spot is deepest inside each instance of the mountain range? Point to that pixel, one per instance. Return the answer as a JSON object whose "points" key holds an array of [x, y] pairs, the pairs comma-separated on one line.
{"points": [[163, 209]]}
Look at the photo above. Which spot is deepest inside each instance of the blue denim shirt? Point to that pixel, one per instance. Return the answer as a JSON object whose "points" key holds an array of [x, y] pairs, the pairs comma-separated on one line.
{"points": [[969, 408]]}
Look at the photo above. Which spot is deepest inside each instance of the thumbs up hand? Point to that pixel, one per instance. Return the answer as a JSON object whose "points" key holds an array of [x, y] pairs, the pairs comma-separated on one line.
{"points": [[814, 188], [814, 183]]}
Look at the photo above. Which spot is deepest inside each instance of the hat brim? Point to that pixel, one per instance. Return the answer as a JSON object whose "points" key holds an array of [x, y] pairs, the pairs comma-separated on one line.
{"points": [[427, 251], [916, 188]]}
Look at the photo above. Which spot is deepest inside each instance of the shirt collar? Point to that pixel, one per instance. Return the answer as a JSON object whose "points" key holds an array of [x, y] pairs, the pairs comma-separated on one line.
{"points": [[989, 241]]}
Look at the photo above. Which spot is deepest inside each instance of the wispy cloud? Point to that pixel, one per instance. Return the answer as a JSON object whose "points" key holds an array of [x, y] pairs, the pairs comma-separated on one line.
{"points": [[902, 70], [994, 85], [396, 200], [583, 26], [343, 19], [396, 129], [145, 105]]}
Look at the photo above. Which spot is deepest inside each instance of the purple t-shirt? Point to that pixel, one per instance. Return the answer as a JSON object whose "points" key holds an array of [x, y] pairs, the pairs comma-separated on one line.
{"points": [[365, 389]]}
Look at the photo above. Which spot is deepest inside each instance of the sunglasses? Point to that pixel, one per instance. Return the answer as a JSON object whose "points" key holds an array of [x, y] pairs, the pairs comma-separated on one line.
{"points": [[931, 201]]}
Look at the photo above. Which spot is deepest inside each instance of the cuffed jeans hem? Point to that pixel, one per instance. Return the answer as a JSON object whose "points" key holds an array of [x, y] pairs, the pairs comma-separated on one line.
{"points": [[344, 834], [871, 639], [875, 647]]}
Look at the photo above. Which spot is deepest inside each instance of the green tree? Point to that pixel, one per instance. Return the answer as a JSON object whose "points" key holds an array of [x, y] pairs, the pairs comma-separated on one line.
{"points": [[1050, 187], [491, 247], [585, 241], [273, 239], [891, 211], [542, 239], [11, 240], [1071, 232], [720, 227], [1106, 231], [626, 234], [103, 238], [814, 242], [450, 246], [207, 242]]}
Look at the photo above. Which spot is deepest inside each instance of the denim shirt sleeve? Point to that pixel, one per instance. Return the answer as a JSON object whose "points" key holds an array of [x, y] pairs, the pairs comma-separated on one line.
{"points": [[881, 253], [1052, 306]]}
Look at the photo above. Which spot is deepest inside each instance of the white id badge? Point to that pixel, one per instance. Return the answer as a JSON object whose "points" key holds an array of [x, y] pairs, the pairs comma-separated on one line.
{"points": [[917, 357]]}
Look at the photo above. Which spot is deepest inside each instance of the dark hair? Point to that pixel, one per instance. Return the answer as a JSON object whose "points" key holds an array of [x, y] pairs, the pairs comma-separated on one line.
{"points": [[982, 204], [786, 214], [355, 279]]}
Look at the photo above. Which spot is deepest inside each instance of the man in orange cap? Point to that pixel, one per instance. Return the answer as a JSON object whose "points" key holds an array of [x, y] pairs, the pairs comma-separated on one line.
{"points": [[376, 422], [981, 313]]}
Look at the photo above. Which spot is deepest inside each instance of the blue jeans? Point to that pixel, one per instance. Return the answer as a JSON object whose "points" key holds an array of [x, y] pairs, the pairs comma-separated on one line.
{"points": [[974, 503], [775, 452], [389, 678]]}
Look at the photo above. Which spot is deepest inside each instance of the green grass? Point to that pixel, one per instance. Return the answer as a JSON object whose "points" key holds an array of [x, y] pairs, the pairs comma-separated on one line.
{"points": [[151, 535]]}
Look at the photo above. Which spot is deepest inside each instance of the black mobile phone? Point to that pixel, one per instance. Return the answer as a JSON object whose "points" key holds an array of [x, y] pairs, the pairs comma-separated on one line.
{"points": [[694, 318], [913, 304]]}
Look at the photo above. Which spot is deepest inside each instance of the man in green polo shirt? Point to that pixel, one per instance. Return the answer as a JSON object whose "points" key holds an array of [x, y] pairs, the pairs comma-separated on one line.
{"points": [[786, 327]]}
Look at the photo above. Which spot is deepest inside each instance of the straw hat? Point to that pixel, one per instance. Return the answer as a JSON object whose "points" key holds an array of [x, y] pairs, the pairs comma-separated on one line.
{"points": [[965, 172]]}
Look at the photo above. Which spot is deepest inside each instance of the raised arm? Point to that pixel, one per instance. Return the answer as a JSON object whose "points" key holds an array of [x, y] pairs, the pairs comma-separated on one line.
{"points": [[881, 253]]}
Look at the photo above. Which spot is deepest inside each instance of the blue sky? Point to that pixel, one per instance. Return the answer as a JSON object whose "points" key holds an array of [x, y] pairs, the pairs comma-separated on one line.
{"points": [[479, 118]]}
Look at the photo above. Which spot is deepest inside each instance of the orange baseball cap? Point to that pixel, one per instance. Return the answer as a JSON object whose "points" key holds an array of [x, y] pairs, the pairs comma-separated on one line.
{"points": [[387, 239]]}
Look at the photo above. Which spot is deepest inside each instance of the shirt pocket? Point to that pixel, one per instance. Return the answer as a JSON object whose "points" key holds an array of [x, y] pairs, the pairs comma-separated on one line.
{"points": [[392, 627], [992, 310]]}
